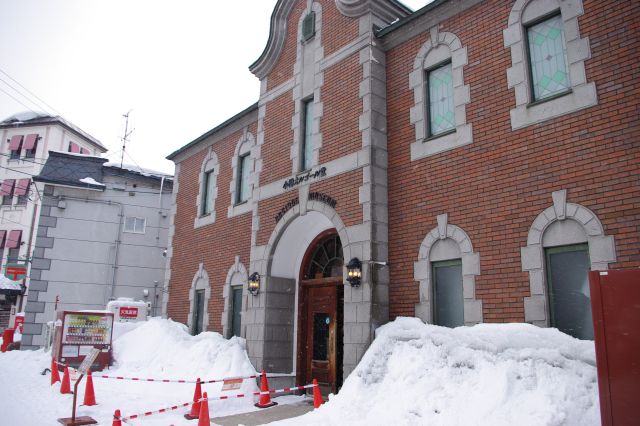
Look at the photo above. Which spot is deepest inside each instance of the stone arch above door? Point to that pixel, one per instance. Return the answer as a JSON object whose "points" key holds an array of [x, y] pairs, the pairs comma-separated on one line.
{"points": [[560, 224], [237, 275], [443, 242], [200, 282]]}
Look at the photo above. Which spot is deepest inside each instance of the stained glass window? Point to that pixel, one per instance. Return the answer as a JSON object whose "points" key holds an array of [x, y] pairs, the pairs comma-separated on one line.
{"points": [[440, 91], [548, 58]]}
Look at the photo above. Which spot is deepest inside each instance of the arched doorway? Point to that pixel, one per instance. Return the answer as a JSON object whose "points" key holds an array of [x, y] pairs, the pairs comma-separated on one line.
{"points": [[320, 313]]}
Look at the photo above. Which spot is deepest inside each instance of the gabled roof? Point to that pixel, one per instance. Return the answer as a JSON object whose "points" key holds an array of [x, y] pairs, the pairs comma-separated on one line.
{"points": [[388, 10], [36, 119]]}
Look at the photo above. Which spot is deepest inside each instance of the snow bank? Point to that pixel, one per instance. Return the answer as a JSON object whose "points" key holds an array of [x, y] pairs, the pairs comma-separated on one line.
{"points": [[158, 349], [489, 374], [165, 348]]}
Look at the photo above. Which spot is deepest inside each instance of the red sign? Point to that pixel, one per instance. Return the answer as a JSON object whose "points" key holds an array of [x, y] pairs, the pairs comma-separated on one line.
{"points": [[15, 271], [128, 312], [18, 323]]}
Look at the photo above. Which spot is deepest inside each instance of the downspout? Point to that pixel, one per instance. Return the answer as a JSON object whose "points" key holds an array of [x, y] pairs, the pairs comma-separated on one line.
{"points": [[118, 237]]}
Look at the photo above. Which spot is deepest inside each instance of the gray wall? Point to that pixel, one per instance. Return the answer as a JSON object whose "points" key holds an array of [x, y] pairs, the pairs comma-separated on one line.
{"points": [[81, 246]]}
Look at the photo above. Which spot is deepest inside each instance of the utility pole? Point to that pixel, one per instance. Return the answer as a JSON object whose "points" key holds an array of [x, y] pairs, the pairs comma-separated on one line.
{"points": [[125, 138]]}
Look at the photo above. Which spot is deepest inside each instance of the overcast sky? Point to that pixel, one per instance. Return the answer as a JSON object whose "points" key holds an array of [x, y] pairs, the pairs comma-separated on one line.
{"points": [[181, 67]]}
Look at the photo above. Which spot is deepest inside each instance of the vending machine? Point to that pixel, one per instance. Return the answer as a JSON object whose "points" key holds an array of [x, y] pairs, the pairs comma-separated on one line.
{"points": [[77, 332]]}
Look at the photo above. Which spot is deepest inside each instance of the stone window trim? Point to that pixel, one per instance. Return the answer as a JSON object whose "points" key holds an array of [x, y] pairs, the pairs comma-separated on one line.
{"points": [[438, 49], [470, 269], [209, 163], [200, 282], [308, 80], [236, 268], [582, 94], [246, 145], [601, 250]]}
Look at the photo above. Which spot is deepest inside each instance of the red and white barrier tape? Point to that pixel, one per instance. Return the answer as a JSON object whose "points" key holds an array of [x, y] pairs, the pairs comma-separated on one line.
{"points": [[214, 398], [139, 379]]}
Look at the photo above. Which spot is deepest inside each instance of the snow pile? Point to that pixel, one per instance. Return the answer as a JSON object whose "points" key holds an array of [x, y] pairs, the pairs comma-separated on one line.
{"points": [[157, 349], [165, 348], [489, 374], [91, 181]]}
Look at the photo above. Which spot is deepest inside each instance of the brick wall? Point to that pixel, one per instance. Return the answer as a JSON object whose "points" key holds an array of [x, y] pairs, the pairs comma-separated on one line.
{"points": [[214, 245], [495, 188], [340, 31]]}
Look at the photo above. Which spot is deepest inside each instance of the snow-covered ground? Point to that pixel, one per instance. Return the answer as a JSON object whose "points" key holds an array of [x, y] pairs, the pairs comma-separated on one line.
{"points": [[413, 374], [156, 349]]}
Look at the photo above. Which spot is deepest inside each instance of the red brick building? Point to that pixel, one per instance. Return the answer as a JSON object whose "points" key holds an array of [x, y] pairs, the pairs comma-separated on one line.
{"points": [[477, 158]]}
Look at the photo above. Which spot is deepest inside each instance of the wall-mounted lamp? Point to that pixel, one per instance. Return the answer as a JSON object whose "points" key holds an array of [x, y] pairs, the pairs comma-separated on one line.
{"points": [[254, 283], [354, 272]]}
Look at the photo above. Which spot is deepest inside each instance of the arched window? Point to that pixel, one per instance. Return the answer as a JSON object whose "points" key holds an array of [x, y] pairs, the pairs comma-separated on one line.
{"points": [[199, 294], [233, 293], [446, 269], [243, 166], [440, 96], [547, 61], [565, 242], [208, 190]]}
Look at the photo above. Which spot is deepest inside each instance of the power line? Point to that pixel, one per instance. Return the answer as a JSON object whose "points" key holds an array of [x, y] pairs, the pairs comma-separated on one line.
{"points": [[30, 92], [17, 100]]}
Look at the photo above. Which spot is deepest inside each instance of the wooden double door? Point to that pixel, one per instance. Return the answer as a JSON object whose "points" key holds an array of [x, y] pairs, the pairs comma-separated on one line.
{"points": [[320, 332]]}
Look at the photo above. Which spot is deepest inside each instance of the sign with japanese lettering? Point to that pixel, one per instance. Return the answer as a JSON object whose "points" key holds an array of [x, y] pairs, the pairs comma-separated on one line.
{"points": [[305, 177], [128, 312]]}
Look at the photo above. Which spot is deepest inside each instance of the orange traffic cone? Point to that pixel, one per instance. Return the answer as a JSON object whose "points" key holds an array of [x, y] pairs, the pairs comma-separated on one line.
{"points": [[66, 382], [116, 419], [195, 407], [265, 398], [317, 396], [55, 374], [89, 394], [203, 416]]}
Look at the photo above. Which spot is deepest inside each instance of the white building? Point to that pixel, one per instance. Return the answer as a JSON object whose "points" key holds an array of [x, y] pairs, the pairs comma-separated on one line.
{"points": [[26, 140]]}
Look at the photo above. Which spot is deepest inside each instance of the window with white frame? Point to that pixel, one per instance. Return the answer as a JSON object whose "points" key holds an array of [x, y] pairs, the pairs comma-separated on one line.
{"points": [[564, 243], [242, 193], [207, 193], [441, 112], [135, 225], [440, 96], [245, 165], [207, 190], [547, 61]]}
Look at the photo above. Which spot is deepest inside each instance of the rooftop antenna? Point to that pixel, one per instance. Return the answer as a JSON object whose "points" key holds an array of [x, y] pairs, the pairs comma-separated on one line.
{"points": [[125, 138]]}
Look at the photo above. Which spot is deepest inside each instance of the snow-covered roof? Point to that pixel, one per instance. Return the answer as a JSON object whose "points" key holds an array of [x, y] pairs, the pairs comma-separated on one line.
{"points": [[30, 118], [137, 169], [9, 284]]}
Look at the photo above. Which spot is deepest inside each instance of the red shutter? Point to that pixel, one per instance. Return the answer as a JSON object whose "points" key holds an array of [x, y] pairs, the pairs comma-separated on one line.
{"points": [[15, 143], [14, 239], [22, 186], [2, 235], [84, 151], [73, 147], [7, 188], [30, 141]]}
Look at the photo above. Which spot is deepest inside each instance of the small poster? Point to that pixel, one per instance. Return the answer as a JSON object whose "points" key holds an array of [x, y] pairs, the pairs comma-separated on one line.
{"points": [[69, 351], [231, 384], [84, 350]]}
